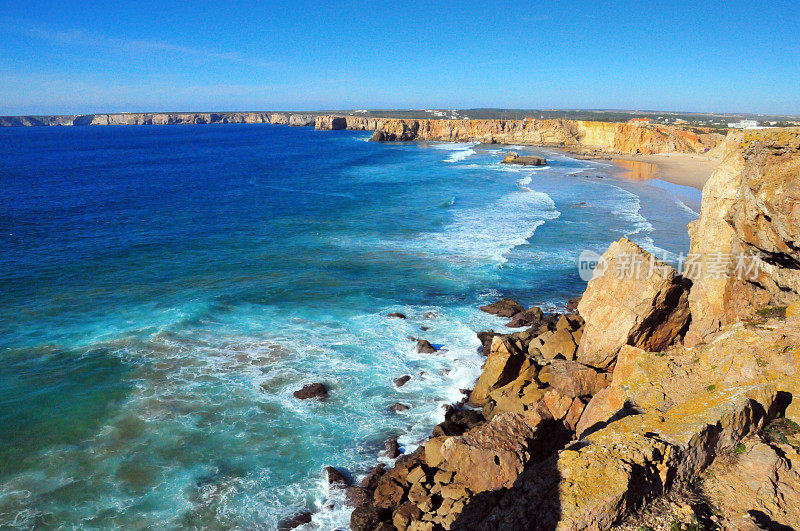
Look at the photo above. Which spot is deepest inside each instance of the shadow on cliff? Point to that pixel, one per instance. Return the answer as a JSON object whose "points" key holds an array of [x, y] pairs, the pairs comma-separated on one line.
{"points": [[533, 501]]}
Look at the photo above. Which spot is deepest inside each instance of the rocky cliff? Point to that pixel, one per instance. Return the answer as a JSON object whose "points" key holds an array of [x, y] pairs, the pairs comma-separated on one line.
{"points": [[581, 135], [745, 251], [581, 420], [586, 137], [161, 119]]}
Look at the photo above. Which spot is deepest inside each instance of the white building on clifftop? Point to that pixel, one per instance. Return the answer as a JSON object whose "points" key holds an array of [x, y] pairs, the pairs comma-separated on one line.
{"points": [[744, 124]]}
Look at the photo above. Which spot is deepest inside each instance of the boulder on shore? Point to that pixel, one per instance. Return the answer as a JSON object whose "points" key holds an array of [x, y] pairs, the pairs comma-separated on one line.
{"points": [[512, 157], [572, 379], [530, 317], [503, 365], [572, 304]]}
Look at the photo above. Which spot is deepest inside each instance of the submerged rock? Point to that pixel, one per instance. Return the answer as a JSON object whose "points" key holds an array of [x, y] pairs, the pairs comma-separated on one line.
{"points": [[314, 390], [396, 315], [397, 407]]}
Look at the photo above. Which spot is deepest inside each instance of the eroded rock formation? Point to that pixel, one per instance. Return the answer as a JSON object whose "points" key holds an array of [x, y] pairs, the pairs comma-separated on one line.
{"points": [[745, 251], [633, 299]]}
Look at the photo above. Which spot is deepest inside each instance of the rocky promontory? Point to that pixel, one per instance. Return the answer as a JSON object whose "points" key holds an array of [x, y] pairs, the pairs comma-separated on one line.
{"points": [[669, 396]]}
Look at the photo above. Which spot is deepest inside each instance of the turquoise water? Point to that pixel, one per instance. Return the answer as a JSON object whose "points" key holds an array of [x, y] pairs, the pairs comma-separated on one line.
{"points": [[164, 290]]}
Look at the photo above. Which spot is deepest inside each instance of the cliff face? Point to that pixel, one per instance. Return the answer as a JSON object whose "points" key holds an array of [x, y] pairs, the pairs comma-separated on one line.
{"points": [[606, 137], [161, 119], [602, 136], [745, 250]]}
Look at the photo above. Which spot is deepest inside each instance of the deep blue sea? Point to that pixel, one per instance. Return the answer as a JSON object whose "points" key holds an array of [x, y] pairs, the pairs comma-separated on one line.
{"points": [[165, 289]]}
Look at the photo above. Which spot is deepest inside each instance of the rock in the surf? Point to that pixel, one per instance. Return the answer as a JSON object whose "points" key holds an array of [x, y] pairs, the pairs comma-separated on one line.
{"points": [[391, 448], [336, 478], [295, 521], [425, 347], [512, 157], [504, 308], [402, 380], [314, 390]]}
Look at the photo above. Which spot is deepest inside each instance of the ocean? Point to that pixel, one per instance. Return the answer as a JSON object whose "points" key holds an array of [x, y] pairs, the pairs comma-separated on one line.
{"points": [[165, 289]]}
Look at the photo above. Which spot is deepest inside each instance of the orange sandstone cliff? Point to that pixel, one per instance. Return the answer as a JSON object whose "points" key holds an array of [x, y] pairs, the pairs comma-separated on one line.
{"points": [[607, 137]]}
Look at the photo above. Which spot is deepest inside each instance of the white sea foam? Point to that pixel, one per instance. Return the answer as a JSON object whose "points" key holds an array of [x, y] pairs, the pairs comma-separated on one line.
{"points": [[629, 209], [500, 167], [460, 150], [490, 232], [683, 206], [458, 156]]}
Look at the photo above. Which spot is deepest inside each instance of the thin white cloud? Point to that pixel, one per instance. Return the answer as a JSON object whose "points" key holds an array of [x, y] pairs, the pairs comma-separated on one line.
{"points": [[141, 47]]}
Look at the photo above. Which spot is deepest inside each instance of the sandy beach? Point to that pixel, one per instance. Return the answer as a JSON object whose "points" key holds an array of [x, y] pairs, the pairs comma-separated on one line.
{"points": [[678, 168]]}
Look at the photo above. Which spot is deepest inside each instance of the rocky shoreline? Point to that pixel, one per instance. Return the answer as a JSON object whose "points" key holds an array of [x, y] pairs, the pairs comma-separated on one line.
{"points": [[657, 384]]}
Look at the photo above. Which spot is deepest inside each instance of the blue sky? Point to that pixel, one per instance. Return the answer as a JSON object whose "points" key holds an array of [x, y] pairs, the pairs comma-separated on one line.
{"points": [[70, 56]]}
